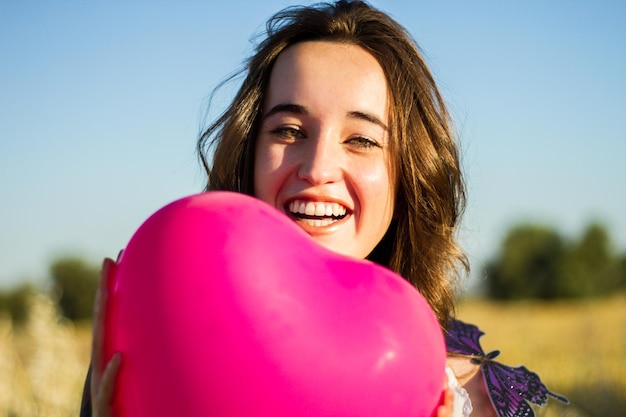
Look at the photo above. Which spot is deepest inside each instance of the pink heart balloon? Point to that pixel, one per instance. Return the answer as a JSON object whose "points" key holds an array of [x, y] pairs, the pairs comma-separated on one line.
{"points": [[222, 306]]}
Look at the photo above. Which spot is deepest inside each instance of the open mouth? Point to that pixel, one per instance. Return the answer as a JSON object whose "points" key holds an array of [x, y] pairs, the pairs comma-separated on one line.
{"points": [[316, 214]]}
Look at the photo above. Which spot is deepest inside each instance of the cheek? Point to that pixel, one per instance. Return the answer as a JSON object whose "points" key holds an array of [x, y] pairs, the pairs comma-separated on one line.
{"points": [[382, 197], [259, 175], [379, 186], [266, 174]]}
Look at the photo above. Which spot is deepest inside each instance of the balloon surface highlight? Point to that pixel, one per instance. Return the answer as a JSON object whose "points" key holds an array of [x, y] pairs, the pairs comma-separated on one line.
{"points": [[222, 306]]}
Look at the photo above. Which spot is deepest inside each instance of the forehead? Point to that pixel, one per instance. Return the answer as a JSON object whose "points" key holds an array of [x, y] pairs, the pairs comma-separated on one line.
{"points": [[329, 76]]}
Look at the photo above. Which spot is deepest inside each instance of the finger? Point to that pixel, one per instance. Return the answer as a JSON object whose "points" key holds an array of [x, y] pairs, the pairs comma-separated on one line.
{"points": [[448, 398], [444, 411], [445, 408], [98, 316], [103, 398], [108, 378], [99, 308]]}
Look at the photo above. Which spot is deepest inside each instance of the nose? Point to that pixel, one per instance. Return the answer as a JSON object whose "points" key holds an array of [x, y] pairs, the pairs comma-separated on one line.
{"points": [[320, 163]]}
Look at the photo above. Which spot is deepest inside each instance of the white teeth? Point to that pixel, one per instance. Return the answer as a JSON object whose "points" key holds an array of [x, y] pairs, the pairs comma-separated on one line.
{"points": [[318, 209], [317, 222]]}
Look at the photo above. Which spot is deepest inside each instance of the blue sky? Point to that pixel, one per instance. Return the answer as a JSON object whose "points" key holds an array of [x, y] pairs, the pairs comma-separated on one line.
{"points": [[101, 104]]}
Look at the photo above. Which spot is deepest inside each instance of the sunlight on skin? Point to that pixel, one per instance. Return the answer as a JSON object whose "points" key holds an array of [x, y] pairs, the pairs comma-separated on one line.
{"points": [[472, 380], [324, 142]]}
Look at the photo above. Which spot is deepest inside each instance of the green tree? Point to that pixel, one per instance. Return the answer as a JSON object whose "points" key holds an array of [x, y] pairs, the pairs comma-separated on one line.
{"points": [[535, 261], [591, 267], [528, 264], [15, 302], [75, 283]]}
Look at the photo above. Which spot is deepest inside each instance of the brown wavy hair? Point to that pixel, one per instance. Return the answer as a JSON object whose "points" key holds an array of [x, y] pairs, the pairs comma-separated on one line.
{"points": [[420, 244]]}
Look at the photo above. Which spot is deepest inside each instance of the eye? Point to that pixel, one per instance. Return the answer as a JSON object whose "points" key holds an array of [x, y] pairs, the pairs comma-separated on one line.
{"points": [[288, 132], [363, 142]]}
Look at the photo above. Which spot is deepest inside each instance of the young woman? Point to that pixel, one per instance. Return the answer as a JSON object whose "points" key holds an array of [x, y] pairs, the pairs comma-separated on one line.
{"points": [[425, 180], [339, 125]]}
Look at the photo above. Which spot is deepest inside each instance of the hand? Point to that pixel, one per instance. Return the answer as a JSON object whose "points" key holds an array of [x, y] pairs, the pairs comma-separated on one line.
{"points": [[102, 377], [445, 408], [472, 379]]}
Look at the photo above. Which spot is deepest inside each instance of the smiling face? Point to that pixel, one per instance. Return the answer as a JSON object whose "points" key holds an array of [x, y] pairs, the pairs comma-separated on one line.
{"points": [[322, 152]]}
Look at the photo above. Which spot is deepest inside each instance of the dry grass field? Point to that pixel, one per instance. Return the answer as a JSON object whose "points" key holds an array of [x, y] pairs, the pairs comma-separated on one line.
{"points": [[42, 364], [578, 348]]}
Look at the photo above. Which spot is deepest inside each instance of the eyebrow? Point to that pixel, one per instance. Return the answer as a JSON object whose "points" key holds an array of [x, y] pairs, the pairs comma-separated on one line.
{"points": [[299, 109], [368, 117], [286, 108]]}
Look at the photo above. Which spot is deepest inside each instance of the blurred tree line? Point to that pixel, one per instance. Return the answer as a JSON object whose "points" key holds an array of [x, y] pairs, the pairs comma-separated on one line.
{"points": [[533, 262], [536, 261], [73, 284]]}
